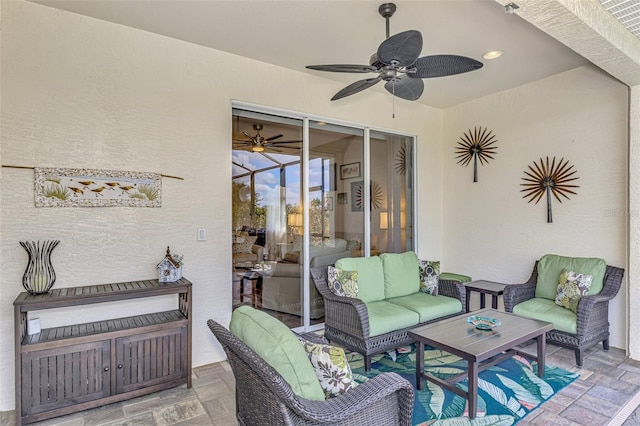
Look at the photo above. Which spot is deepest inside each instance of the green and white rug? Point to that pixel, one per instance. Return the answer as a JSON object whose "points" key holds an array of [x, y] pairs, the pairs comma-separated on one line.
{"points": [[507, 391]]}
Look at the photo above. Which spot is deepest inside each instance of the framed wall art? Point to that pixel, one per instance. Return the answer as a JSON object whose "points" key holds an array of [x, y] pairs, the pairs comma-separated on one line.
{"points": [[349, 171], [58, 187]]}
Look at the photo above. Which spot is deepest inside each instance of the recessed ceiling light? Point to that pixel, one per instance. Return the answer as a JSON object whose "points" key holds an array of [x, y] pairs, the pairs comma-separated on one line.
{"points": [[492, 54]]}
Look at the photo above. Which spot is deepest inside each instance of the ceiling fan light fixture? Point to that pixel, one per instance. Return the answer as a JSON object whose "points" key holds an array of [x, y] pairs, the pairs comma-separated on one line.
{"points": [[257, 148], [492, 54]]}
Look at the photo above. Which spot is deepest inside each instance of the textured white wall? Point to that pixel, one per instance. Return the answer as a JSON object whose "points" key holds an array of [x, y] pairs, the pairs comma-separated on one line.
{"points": [[78, 92], [490, 231]]}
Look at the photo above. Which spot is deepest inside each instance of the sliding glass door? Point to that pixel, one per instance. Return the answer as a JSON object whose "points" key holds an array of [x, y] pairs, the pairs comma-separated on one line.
{"points": [[307, 192]]}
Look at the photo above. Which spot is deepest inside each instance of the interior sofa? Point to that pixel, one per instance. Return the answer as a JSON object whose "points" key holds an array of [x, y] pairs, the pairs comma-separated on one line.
{"points": [[282, 292], [389, 303]]}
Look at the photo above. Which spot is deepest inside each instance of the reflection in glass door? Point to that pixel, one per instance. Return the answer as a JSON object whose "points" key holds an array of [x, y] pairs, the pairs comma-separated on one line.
{"points": [[305, 194]]}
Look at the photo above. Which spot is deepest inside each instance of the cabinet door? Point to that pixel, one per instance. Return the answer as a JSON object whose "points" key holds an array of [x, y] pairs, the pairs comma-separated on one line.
{"points": [[59, 377], [151, 358]]}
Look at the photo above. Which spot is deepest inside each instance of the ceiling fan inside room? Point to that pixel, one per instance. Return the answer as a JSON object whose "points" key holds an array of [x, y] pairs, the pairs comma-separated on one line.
{"points": [[397, 62], [258, 143]]}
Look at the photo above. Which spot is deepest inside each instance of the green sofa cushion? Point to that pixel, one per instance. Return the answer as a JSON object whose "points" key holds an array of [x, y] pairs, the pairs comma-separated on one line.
{"points": [[385, 317], [427, 306], [547, 310], [370, 276], [550, 267], [455, 277], [279, 347], [401, 274]]}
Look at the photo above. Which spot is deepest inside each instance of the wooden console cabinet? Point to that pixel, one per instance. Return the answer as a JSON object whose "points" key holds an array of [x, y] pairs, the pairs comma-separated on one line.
{"points": [[66, 369]]}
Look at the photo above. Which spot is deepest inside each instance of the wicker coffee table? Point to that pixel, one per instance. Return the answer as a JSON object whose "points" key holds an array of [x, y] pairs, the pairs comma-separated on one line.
{"points": [[480, 348]]}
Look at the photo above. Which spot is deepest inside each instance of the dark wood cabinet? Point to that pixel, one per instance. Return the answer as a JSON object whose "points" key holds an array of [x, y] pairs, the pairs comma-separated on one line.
{"points": [[66, 369]]}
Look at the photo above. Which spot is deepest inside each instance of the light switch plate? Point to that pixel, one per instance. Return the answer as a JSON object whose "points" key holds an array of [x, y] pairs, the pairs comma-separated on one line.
{"points": [[202, 235]]}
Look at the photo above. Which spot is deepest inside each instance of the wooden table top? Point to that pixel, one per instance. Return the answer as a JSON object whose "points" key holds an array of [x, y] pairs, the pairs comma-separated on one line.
{"points": [[455, 335]]}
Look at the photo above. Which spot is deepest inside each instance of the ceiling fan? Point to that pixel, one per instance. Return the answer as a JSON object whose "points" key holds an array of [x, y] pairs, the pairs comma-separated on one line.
{"points": [[397, 62], [259, 143]]}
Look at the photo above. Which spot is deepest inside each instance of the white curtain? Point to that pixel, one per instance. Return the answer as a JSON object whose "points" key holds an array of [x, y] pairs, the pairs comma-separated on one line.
{"points": [[276, 221]]}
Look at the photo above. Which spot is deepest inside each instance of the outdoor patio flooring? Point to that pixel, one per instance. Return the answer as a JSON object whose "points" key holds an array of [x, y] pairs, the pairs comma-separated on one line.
{"points": [[608, 380]]}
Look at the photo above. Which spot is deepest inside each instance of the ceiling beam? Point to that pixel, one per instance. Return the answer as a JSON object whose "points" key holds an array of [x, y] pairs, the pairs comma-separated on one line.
{"points": [[587, 28]]}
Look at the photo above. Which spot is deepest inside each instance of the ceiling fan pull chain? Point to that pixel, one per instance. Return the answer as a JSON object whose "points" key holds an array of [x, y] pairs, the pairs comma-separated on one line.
{"points": [[393, 101]]}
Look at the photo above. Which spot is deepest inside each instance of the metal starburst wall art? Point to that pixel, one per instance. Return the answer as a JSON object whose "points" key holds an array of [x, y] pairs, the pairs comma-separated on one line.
{"points": [[548, 179], [475, 145]]}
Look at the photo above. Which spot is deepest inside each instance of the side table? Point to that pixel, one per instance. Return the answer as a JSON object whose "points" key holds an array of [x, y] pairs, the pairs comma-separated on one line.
{"points": [[485, 287], [255, 279]]}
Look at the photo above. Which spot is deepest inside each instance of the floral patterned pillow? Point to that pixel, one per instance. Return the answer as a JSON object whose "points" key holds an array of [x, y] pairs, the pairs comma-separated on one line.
{"points": [[343, 283], [571, 287], [429, 272], [331, 367]]}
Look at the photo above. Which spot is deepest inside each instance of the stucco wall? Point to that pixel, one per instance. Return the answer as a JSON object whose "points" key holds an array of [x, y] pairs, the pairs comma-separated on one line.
{"points": [[491, 232], [634, 223], [78, 92]]}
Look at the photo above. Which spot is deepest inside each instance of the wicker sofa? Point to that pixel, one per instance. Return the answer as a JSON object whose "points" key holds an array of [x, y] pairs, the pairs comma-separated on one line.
{"points": [[389, 303], [578, 331], [264, 397]]}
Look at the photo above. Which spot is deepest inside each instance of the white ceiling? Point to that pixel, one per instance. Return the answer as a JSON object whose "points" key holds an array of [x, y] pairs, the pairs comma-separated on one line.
{"points": [[293, 34]]}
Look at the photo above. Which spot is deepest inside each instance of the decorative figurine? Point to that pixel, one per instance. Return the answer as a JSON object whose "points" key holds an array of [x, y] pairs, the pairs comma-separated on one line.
{"points": [[170, 268]]}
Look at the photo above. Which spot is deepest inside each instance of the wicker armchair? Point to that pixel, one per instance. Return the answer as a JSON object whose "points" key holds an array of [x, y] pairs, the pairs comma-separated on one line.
{"points": [[263, 397], [346, 320], [592, 316]]}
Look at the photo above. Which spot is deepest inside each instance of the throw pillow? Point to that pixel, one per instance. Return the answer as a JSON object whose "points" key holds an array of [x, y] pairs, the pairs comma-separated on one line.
{"points": [[331, 367], [429, 276], [246, 245], [353, 245], [292, 257], [571, 287], [343, 283]]}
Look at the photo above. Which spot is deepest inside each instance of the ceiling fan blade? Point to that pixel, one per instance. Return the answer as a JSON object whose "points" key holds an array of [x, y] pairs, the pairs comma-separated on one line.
{"points": [[442, 65], [401, 49], [343, 68], [284, 142], [242, 142], [356, 87], [273, 137], [405, 88], [247, 135]]}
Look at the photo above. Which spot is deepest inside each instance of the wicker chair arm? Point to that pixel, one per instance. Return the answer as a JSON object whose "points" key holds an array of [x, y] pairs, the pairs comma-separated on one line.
{"points": [[453, 288], [357, 401], [593, 311], [347, 314], [518, 293]]}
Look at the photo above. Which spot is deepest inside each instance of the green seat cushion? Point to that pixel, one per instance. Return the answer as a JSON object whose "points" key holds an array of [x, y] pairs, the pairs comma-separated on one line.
{"points": [[279, 347], [370, 276], [385, 317], [550, 267], [455, 277], [401, 274], [547, 310], [427, 306]]}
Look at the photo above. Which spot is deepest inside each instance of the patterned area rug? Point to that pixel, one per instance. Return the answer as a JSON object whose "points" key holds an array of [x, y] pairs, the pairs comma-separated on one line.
{"points": [[507, 392]]}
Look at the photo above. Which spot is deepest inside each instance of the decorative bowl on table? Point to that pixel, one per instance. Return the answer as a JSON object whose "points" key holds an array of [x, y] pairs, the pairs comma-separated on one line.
{"points": [[483, 323]]}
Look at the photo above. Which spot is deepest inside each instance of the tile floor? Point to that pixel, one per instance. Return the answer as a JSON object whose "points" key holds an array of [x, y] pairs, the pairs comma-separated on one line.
{"points": [[608, 380]]}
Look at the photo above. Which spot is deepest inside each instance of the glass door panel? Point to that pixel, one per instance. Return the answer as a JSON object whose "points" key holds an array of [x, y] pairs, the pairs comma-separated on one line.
{"points": [[391, 168]]}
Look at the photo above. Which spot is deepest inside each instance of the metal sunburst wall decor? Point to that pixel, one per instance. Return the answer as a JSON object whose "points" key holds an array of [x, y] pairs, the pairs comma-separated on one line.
{"points": [[475, 145], [548, 179], [400, 164]]}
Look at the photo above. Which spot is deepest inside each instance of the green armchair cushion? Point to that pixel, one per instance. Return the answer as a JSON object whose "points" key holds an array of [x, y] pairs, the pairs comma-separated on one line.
{"points": [[385, 317], [547, 310], [370, 276], [455, 277], [550, 267], [427, 306], [279, 347], [401, 274]]}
